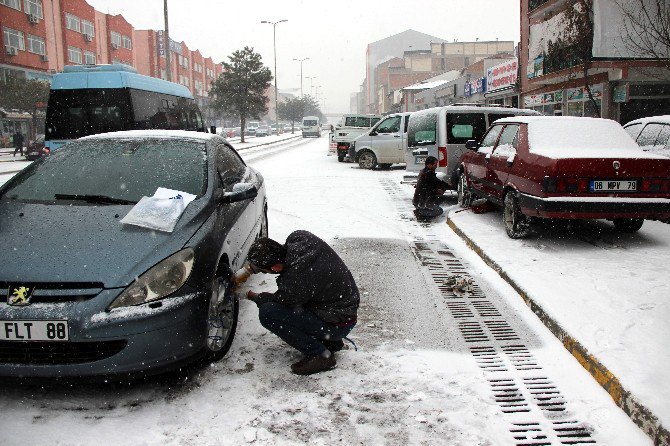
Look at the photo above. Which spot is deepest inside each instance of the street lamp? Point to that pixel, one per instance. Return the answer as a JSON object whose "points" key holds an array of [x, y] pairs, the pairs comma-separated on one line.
{"points": [[316, 94], [274, 44], [311, 83], [301, 61]]}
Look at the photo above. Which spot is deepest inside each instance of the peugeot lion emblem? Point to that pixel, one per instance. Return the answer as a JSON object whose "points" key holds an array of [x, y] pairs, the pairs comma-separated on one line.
{"points": [[616, 165], [19, 295]]}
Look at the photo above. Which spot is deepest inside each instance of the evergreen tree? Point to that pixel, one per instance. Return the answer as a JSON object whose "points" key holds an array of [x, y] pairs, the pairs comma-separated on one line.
{"points": [[240, 91], [24, 95]]}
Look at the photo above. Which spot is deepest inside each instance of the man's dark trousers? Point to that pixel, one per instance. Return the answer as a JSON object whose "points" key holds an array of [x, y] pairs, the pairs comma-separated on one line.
{"points": [[299, 328]]}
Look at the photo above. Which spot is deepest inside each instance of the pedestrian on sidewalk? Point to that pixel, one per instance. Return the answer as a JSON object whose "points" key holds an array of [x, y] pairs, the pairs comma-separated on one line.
{"points": [[18, 142], [428, 192], [316, 303]]}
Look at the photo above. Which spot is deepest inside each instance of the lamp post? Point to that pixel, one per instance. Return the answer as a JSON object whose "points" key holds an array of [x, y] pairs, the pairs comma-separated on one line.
{"points": [[301, 61], [316, 95], [311, 84], [274, 45]]}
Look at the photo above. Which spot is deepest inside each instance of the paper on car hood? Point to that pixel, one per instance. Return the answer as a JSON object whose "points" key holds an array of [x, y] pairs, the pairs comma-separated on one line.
{"points": [[160, 212]]}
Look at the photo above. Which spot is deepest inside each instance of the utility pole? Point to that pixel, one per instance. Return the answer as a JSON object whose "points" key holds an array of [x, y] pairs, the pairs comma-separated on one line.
{"points": [[274, 45], [311, 84], [301, 61], [166, 43]]}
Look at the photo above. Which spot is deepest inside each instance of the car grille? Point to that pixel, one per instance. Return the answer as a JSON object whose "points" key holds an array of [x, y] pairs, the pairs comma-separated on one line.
{"points": [[51, 353], [57, 292]]}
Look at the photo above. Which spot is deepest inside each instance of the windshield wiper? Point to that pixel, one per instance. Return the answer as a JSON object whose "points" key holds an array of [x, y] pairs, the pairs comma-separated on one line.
{"points": [[100, 199]]}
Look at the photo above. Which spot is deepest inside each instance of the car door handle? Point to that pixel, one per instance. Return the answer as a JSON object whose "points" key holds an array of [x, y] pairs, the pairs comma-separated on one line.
{"points": [[396, 136]]}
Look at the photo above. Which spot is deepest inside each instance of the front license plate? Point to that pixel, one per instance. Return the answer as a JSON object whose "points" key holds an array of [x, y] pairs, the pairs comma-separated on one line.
{"points": [[34, 331], [613, 186], [420, 159]]}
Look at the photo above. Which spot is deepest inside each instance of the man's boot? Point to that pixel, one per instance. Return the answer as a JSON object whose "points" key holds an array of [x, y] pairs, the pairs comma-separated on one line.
{"points": [[314, 364]]}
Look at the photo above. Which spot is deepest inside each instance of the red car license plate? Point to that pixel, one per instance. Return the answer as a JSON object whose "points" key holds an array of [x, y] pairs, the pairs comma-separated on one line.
{"points": [[613, 186]]}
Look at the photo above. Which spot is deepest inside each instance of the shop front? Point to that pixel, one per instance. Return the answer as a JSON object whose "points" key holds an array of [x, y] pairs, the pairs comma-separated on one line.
{"points": [[501, 84], [567, 102]]}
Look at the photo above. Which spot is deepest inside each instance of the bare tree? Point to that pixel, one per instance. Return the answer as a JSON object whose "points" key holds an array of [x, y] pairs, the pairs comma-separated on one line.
{"points": [[646, 27]]}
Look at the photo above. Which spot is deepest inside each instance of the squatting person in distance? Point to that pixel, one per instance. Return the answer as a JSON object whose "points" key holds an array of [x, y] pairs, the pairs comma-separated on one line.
{"points": [[316, 301], [428, 191]]}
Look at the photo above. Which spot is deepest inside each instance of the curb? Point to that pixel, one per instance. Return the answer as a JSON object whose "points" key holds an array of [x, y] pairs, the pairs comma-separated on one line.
{"points": [[268, 143], [635, 410]]}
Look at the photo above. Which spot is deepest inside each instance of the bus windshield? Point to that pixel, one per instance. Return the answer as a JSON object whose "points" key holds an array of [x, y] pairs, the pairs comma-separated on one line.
{"points": [[72, 114]]}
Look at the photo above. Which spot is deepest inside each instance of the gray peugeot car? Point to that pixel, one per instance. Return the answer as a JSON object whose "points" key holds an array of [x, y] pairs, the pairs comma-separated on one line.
{"points": [[83, 294]]}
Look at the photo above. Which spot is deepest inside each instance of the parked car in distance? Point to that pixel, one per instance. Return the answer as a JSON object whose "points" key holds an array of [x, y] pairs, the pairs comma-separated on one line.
{"points": [[251, 128], [443, 131], [263, 130], [287, 128], [276, 129], [109, 298], [384, 144], [36, 149], [652, 134], [564, 167], [311, 126], [348, 129]]}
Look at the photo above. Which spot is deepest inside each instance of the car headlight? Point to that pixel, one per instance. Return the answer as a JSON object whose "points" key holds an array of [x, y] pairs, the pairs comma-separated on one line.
{"points": [[158, 282]]}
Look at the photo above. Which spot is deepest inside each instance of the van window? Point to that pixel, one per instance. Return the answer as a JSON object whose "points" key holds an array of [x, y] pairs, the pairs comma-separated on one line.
{"points": [[464, 126], [357, 121], [309, 122], [389, 125], [422, 130], [406, 123]]}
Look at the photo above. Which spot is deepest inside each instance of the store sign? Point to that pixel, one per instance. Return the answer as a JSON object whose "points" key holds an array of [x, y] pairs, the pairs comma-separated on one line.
{"points": [[501, 76], [535, 67], [580, 94], [621, 93], [475, 86], [160, 44]]}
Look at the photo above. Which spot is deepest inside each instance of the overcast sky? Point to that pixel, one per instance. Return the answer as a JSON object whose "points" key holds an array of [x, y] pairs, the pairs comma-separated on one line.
{"points": [[334, 35]]}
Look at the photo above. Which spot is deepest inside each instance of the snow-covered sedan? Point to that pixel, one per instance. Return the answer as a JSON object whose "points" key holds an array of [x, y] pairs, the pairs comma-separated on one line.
{"points": [[86, 290], [565, 167]]}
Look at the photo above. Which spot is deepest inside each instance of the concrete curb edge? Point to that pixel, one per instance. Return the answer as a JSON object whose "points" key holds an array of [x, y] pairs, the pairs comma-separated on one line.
{"points": [[637, 412]]}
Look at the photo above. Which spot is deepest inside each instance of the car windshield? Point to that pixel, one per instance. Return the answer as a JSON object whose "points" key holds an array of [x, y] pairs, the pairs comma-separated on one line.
{"points": [[117, 169]]}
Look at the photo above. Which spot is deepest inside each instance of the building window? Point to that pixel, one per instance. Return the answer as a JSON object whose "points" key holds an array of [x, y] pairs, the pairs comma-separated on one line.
{"points": [[74, 55], [14, 39], [163, 74], [116, 39], [14, 4], [87, 28], [89, 58], [127, 42], [184, 80], [72, 22], [33, 7], [36, 45]]}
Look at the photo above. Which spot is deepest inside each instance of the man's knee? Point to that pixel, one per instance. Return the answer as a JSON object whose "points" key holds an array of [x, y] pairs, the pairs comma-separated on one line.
{"points": [[270, 312]]}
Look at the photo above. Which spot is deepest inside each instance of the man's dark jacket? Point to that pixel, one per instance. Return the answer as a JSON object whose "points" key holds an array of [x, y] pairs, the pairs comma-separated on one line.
{"points": [[427, 185], [315, 278]]}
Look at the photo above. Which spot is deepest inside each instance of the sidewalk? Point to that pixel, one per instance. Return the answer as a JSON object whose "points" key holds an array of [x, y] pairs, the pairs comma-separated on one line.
{"points": [[602, 293]]}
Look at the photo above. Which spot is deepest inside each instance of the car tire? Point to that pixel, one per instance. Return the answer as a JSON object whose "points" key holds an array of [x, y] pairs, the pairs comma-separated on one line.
{"points": [[628, 224], [222, 314], [367, 160], [517, 225], [464, 192], [340, 157]]}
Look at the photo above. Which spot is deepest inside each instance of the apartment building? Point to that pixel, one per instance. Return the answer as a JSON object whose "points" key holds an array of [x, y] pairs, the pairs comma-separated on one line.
{"points": [[624, 83], [41, 37]]}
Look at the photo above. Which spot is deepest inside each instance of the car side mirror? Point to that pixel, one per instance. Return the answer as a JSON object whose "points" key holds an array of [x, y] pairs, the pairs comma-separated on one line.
{"points": [[212, 129], [373, 133], [471, 144], [240, 192]]}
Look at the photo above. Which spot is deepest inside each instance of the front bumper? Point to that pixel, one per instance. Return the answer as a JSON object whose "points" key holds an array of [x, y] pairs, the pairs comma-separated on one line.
{"points": [[146, 339], [595, 207]]}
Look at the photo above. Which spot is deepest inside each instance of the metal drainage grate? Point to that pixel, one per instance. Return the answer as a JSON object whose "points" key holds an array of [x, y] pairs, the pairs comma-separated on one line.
{"points": [[521, 357], [529, 434], [494, 344]]}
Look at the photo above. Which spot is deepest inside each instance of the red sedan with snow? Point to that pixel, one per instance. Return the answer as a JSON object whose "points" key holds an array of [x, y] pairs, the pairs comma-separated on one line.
{"points": [[565, 167]]}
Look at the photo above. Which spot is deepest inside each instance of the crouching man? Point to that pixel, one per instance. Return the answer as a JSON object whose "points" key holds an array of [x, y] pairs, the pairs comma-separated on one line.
{"points": [[316, 302], [428, 192]]}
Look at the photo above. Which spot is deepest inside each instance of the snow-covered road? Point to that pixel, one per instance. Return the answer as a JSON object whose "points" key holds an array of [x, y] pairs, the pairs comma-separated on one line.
{"points": [[433, 367]]}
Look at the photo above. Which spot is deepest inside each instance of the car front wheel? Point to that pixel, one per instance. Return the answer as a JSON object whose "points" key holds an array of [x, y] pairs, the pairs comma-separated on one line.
{"points": [[517, 225], [221, 319], [464, 193], [367, 160], [628, 224], [340, 157]]}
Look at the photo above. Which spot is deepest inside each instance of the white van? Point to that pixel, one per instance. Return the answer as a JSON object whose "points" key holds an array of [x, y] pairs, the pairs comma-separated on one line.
{"points": [[384, 144], [350, 127], [311, 126], [443, 131]]}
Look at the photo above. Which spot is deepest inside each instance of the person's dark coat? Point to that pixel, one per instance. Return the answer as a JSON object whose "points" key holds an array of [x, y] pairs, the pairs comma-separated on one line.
{"points": [[427, 187], [315, 278], [18, 140]]}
